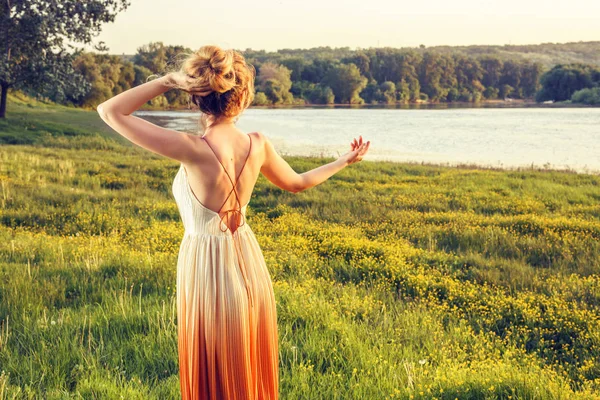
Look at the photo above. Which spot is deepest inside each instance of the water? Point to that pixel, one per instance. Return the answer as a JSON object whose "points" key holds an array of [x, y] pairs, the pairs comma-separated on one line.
{"points": [[556, 138]]}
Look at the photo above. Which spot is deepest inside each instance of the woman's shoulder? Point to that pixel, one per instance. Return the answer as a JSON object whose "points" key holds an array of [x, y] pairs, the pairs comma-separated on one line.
{"points": [[258, 137]]}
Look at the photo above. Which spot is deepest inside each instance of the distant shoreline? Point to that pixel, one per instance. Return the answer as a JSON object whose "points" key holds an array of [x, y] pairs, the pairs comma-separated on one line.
{"points": [[410, 106]]}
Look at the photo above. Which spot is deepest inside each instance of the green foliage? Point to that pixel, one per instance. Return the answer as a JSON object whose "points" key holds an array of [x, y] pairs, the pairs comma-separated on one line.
{"points": [[491, 93], [372, 92], [492, 71], [392, 280], [275, 81], [453, 95], [315, 72], [546, 54], [261, 99], [562, 81], [590, 96], [465, 95], [320, 94], [296, 65], [104, 73], [506, 91], [346, 82], [324, 75], [469, 72], [404, 92], [384, 93], [388, 92], [35, 35]]}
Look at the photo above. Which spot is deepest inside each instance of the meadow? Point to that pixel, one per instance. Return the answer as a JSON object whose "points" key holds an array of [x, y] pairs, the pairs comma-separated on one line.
{"points": [[392, 280]]}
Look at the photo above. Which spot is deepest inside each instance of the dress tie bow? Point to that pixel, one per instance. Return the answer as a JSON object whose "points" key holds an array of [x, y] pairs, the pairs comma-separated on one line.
{"points": [[227, 212]]}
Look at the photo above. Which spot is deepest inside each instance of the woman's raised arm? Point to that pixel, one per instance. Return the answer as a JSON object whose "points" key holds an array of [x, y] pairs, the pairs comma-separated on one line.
{"points": [[116, 112]]}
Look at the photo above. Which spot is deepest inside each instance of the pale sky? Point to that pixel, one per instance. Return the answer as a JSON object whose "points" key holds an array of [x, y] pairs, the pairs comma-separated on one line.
{"points": [[278, 24]]}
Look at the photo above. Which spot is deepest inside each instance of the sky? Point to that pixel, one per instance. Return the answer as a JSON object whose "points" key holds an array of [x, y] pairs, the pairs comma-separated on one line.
{"points": [[278, 24]]}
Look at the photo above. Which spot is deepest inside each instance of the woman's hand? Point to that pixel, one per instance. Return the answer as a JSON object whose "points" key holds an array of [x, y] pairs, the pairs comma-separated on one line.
{"points": [[186, 83], [358, 149], [178, 80]]}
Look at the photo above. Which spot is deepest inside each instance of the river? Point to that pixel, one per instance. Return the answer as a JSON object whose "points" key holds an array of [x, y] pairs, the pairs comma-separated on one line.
{"points": [[507, 138]]}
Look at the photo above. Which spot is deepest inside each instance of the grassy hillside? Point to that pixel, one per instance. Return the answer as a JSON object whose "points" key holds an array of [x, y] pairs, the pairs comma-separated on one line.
{"points": [[548, 54], [392, 280]]}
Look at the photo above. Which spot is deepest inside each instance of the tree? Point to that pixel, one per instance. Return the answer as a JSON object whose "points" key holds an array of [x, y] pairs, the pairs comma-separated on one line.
{"points": [[453, 95], [273, 91], [260, 99], [492, 71], [530, 80], [562, 81], [157, 57], [274, 80], [491, 93], [102, 71], [362, 61], [403, 92], [321, 94], [316, 71], [371, 93], [506, 90], [511, 77], [34, 36], [152, 56], [469, 72], [589, 96], [296, 65], [346, 82], [388, 92], [437, 75]]}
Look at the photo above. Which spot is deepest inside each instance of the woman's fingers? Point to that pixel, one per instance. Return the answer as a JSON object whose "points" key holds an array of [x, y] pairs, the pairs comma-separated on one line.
{"points": [[365, 147], [359, 149]]}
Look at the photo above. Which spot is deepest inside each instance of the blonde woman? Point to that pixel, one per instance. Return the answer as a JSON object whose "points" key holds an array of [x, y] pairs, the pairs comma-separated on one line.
{"points": [[226, 315]]}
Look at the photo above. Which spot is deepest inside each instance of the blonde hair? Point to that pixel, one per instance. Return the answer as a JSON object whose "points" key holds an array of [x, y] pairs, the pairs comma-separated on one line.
{"points": [[222, 81]]}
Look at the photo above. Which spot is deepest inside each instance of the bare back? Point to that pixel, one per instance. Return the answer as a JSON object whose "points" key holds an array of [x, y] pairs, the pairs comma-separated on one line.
{"points": [[225, 159]]}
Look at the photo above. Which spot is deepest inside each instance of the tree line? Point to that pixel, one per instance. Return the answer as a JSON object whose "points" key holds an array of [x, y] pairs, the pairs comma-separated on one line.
{"points": [[343, 76], [371, 76]]}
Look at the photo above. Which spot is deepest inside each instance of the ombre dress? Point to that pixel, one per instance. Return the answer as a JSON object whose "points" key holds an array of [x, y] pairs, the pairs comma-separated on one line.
{"points": [[226, 315]]}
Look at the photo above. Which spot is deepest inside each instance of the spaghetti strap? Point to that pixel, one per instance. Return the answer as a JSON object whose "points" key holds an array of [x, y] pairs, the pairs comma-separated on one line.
{"points": [[233, 189]]}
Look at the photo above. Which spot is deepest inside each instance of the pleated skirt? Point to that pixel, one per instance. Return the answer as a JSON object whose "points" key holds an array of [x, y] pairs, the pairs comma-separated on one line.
{"points": [[226, 319]]}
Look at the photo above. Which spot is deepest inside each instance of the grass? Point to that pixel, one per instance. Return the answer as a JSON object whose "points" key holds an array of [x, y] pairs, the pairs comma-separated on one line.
{"points": [[392, 280]]}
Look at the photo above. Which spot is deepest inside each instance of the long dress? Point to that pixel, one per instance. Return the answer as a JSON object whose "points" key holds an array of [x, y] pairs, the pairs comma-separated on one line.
{"points": [[226, 313]]}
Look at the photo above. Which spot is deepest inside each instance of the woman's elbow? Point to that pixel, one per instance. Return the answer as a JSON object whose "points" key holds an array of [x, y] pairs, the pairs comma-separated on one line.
{"points": [[102, 112], [105, 112], [297, 187]]}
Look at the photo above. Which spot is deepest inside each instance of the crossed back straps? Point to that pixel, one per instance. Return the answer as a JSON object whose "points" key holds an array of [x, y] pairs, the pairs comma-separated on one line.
{"points": [[233, 189]]}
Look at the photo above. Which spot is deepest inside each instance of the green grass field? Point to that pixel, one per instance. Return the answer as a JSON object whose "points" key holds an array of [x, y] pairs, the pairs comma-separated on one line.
{"points": [[392, 280]]}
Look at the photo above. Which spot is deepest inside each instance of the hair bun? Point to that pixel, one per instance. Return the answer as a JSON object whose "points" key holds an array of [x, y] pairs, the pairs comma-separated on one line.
{"points": [[222, 81], [213, 69]]}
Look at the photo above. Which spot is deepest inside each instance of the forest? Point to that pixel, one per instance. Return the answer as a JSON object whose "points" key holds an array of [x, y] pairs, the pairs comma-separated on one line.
{"points": [[364, 76]]}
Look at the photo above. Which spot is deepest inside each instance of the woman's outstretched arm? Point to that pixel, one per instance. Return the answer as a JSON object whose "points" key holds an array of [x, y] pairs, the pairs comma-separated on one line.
{"points": [[280, 173]]}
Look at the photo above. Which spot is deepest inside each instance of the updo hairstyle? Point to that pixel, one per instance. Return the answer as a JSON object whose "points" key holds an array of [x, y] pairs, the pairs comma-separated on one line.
{"points": [[222, 80]]}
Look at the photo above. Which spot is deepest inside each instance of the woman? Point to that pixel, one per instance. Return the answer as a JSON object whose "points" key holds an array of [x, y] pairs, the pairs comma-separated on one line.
{"points": [[227, 327]]}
